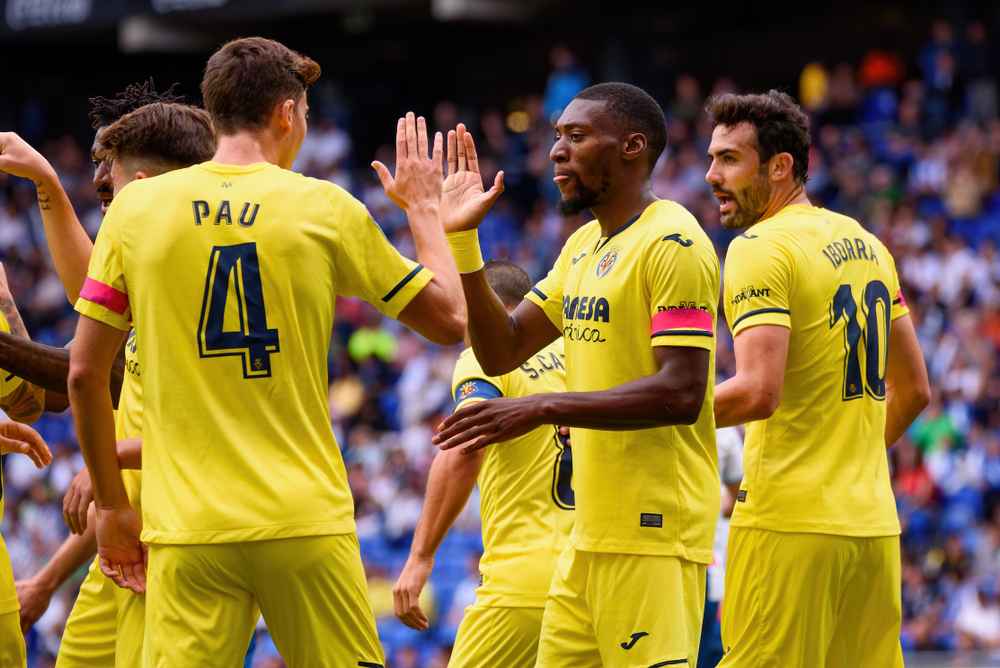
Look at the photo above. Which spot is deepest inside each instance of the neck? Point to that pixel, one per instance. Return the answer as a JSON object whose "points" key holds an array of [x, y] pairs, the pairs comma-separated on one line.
{"points": [[797, 195], [618, 207], [245, 149]]}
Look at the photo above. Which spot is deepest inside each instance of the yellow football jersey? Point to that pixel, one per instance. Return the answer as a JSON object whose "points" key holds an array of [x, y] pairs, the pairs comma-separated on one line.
{"points": [[654, 282], [229, 275], [818, 465], [8, 597], [525, 485], [128, 419]]}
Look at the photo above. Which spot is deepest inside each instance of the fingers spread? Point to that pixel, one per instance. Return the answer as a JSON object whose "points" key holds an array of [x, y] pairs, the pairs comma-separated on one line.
{"points": [[401, 150], [462, 164], [383, 174], [411, 135], [470, 150], [438, 151], [421, 137], [452, 152]]}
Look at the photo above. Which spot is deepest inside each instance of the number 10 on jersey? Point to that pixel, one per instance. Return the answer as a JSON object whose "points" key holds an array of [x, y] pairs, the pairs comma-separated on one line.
{"points": [[248, 336]]}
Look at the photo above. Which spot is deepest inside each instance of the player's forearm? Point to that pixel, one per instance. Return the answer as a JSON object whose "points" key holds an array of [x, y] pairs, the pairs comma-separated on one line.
{"points": [[75, 551], [903, 406], [46, 367], [493, 332], [129, 453], [68, 242], [449, 485], [446, 318], [90, 399], [739, 402]]}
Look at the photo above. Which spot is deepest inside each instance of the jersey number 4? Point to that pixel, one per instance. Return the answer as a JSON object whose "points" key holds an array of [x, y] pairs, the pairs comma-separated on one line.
{"points": [[235, 270], [874, 329]]}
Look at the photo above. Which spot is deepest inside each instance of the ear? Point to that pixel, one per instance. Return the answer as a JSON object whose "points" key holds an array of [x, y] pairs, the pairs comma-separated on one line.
{"points": [[781, 166], [143, 175], [284, 113], [635, 146]]}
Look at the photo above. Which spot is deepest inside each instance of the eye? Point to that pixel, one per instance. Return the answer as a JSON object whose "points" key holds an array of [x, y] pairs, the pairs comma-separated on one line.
{"points": [[729, 159], [558, 137], [577, 135]]}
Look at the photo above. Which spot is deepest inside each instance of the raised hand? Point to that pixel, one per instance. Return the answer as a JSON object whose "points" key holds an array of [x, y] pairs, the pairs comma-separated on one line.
{"points": [[464, 201], [18, 158], [22, 439], [418, 177], [77, 500], [122, 555], [406, 592]]}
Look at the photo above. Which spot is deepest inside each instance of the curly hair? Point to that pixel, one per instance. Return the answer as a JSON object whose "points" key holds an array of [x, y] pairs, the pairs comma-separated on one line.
{"points": [[106, 112], [780, 125]]}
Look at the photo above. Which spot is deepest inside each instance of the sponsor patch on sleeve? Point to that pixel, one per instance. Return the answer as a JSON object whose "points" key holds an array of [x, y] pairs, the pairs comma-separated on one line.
{"points": [[682, 322], [476, 388]]}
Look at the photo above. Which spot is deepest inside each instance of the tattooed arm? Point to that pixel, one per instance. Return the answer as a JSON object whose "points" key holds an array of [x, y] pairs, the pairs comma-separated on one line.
{"points": [[68, 241], [26, 402]]}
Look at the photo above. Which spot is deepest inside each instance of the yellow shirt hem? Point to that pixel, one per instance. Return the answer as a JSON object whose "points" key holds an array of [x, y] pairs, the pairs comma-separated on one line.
{"points": [[274, 532]]}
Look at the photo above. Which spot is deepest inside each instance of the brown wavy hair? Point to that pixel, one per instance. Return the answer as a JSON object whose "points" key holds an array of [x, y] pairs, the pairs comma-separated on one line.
{"points": [[247, 78], [159, 138], [780, 125]]}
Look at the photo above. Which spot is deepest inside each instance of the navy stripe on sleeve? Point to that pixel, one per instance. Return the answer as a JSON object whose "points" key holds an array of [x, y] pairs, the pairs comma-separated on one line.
{"points": [[399, 286]]}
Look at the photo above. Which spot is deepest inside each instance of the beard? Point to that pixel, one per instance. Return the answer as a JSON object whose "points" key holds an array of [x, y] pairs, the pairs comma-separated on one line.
{"points": [[585, 198], [749, 204]]}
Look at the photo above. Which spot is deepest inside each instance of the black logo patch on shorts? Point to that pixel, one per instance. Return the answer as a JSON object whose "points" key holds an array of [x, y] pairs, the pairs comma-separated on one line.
{"points": [[480, 579], [651, 520], [742, 496]]}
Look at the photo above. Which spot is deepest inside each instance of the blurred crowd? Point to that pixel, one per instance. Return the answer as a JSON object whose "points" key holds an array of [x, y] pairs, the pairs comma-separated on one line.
{"points": [[910, 149]]}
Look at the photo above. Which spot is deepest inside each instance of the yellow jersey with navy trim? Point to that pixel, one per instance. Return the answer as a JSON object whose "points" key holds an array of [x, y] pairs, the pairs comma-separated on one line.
{"points": [[525, 485], [128, 419], [654, 282], [8, 596], [818, 465], [229, 275]]}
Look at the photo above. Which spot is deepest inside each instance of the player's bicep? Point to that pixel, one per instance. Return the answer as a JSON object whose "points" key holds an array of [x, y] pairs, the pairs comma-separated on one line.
{"points": [[761, 355], [905, 366]]}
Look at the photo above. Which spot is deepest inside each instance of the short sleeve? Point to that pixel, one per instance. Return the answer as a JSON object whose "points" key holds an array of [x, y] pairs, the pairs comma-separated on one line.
{"points": [[757, 285], [683, 285], [899, 307], [104, 296], [367, 264], [548, 292], [470, 384]]}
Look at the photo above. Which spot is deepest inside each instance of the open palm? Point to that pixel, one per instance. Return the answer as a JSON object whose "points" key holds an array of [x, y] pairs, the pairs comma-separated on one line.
{"points": [[464, 200]]}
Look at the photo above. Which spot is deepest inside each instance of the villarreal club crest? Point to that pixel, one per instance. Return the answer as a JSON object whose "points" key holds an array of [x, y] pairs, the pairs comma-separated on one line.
{"points": [[608, 261]]}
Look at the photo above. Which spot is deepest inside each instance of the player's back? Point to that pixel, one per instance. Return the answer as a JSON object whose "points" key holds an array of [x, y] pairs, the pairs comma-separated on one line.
{"points": [[232, 274], [818, 464], [525, 485]]}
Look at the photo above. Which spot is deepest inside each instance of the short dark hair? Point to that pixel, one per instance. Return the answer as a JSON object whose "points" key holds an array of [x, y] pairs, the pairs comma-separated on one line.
{"points": [[780, 125], [633, 110], [159, 138], [508, 280], [106, 112], [247, 78]]}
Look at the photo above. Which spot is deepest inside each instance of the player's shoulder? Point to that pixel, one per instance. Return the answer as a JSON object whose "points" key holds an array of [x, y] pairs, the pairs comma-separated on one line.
{"points": [[668, 222], [588, 233], [467, 365]]}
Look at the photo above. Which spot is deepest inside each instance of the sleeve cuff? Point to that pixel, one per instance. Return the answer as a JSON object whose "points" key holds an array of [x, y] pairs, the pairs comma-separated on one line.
{"points": [[478, 389], [104, 315], [762, 316], [538, 298], [403, 293]]}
